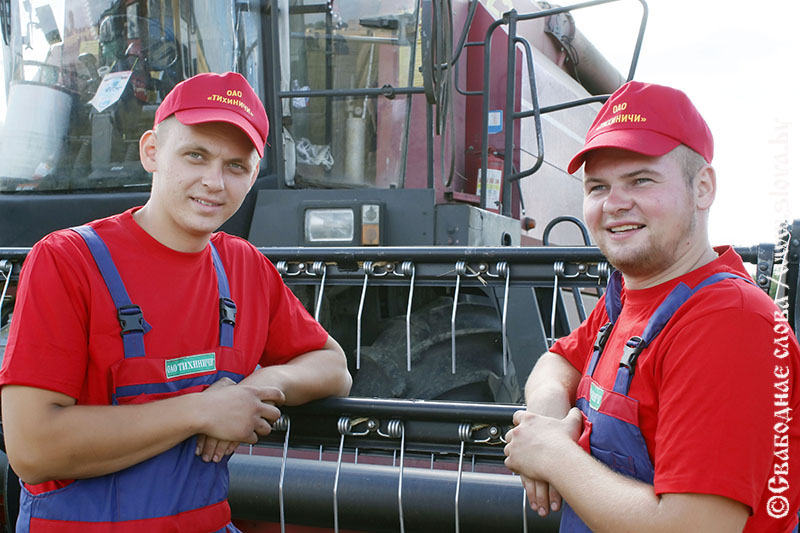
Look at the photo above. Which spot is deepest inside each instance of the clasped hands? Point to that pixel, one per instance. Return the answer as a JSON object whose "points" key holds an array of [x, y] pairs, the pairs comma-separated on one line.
{"points": [[535, 450], [237, 413]]}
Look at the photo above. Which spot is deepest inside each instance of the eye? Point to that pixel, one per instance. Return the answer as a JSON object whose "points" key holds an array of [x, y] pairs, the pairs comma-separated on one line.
{"points": [[640, 181], [238, 168], [595, 189], [196, 156]]}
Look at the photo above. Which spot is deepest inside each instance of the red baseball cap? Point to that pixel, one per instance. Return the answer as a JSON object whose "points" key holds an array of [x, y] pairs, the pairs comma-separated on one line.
{"points": [[648, 119], [211, 97]]}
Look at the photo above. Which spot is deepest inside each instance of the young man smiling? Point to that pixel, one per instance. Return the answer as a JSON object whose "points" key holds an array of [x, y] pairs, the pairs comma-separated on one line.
{"points": [[673, 374], [145, 347]]}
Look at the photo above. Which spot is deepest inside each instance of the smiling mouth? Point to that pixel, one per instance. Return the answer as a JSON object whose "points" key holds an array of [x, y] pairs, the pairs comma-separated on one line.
{"points": [[206, 203], [626, 227]]}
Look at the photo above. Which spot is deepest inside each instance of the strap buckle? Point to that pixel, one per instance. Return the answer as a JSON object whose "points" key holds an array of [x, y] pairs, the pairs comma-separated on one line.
{"points": [[602, 336], [631, 351], [227, 311], [131, 319]]}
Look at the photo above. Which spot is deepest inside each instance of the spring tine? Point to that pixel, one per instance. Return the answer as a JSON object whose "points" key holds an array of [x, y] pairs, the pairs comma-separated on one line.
{"points": [[5, 286], [502, 267], [524, 510], [400, 480], [320, 268], [344, 428], [336, 487], [288, 423], [367, 268], [460, 268], [463, 431], [558, 268], [410, 265], [458, 482]]}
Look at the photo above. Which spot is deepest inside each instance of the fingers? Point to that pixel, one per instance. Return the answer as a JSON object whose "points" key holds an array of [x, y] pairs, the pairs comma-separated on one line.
{"points": [[541, 498], [211, 449], [272, 395], [555, 499], [269, 413]]}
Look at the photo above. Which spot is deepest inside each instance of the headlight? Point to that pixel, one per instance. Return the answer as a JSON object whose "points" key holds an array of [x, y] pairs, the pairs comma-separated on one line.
{"points": [[329, 225]]}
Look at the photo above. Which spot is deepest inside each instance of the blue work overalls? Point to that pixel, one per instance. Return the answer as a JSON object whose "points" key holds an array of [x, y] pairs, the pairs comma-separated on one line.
{"points": [[175, 490], [610, 417]]}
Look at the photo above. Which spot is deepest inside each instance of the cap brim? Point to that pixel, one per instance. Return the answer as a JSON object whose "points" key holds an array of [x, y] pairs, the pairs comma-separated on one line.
{"points": [[643, 142], [191, 117]]}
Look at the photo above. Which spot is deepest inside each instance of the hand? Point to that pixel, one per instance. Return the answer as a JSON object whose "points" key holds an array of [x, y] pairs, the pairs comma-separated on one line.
{"points": [[542, 496], [533, 448], [243, 410]]}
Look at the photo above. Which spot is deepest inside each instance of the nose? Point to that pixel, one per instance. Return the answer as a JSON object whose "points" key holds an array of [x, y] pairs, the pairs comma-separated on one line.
{"points": [[213, 178], [617, 199]]}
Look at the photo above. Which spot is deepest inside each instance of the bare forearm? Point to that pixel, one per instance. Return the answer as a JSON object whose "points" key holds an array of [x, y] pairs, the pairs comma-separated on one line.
{"points": [[551, 386], [309, 376], [591, 488], [49, 437], [79, 441]]}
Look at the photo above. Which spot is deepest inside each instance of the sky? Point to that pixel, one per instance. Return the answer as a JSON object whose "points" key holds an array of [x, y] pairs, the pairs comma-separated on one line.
{"points": [[738, 62]]}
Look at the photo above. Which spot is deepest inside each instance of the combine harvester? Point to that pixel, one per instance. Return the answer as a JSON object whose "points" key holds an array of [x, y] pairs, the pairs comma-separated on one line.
{"points": [[413, 181]]}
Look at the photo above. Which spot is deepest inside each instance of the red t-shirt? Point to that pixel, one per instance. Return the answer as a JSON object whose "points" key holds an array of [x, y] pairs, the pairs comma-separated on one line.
{"points": [[706, 389], [65, 334]]}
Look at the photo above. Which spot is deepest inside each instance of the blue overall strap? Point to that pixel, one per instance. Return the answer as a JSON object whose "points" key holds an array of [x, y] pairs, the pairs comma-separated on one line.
{"points": [[130, 316], [635, 345], [613, 292], [613, 309], [599, 344], [227, 308]]}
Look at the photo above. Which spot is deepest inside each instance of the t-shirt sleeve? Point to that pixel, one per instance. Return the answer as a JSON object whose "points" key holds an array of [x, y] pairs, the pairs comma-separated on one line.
{"points": [[715, 407], [577, 346], [292, 330], [48, 345]]}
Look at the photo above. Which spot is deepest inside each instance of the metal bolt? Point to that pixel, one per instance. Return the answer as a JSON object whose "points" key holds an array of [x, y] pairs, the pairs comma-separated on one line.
{"points": [[762, 280]]}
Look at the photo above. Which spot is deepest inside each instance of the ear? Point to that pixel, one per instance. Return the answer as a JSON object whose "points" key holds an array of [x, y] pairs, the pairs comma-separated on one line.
{"points": [[147, 150], [705, 187]]}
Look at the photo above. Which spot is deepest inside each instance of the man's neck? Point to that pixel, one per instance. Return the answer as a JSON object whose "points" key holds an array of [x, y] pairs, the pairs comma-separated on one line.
{"points": [[687, 263], [148, 220]]}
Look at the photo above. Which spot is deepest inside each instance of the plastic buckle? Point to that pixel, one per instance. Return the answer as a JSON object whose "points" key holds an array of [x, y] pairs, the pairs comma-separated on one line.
{"points": [[227, 311], [602, 336], [631, 351], [131, 319]]}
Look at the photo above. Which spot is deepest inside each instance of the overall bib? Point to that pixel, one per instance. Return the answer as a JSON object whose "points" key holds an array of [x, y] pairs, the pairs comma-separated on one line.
{"points": [[610, 417], [175, 490]]}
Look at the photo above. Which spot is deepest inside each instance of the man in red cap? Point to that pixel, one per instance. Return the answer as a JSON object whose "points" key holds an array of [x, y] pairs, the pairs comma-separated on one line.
{"points": [[670, 407], [145, 346]]}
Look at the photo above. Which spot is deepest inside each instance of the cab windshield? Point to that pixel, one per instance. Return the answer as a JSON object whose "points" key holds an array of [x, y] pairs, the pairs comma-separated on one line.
{"points": [[83, 79]]}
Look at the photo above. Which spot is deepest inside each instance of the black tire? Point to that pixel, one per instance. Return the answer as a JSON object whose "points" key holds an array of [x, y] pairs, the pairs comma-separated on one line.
{"points": [[479, 350]]}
